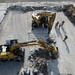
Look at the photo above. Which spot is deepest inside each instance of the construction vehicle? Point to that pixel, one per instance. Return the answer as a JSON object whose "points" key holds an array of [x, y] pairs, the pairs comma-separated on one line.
{"points": [[44, 19], [12, 49], [65, 7], [8, 53], [69, 10]]}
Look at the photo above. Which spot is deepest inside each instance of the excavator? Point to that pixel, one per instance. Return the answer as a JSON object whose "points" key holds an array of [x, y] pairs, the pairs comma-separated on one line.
{"points": [[12, 49], [45, 19]]}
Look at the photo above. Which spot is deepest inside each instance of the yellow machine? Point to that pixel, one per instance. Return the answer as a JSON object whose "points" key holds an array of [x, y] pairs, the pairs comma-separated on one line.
{"points": [[45, 19], [12, 49]]}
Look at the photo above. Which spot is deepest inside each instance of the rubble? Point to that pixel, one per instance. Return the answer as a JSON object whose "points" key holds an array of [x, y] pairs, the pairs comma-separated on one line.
{"points": [[33, 8], [38, 67], [69, 11], [25, 8]]}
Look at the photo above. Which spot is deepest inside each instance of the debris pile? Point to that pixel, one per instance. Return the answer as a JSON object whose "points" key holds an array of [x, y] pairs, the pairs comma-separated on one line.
{"points": [[69, 10], [25, 8], [38, 67], [33, 8]]}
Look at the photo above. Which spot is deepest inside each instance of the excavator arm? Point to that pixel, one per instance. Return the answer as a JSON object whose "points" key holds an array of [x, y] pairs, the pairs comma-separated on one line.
{"points": [[40, 43], [9, 51], [19, 45]]}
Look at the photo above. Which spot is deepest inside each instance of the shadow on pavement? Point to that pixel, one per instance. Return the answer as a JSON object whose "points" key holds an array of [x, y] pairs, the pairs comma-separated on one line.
{"points": [[40, 33], [60, 35], [53, 67], [63, 30], [58, 32], [10, 67], [67, 48]]}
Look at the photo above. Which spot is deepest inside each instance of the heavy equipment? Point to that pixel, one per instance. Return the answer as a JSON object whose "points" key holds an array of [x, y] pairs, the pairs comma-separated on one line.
{"points": [[45, 19], [8, 53], [12, 49], [65, 7], [69, 10]]}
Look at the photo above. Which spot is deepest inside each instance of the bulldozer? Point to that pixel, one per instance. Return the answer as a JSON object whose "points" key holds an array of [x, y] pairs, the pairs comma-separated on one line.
{"points": [[43, 19], [12, 49]]}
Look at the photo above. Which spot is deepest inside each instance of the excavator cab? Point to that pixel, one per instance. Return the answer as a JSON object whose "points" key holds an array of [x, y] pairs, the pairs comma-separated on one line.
{"points": [[39, 20], [7, 54], [43, 19], [4, 48], [43, 22]]}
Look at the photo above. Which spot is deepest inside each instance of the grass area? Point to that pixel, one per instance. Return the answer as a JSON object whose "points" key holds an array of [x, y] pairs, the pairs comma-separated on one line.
{"points": [[1, 1]]}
